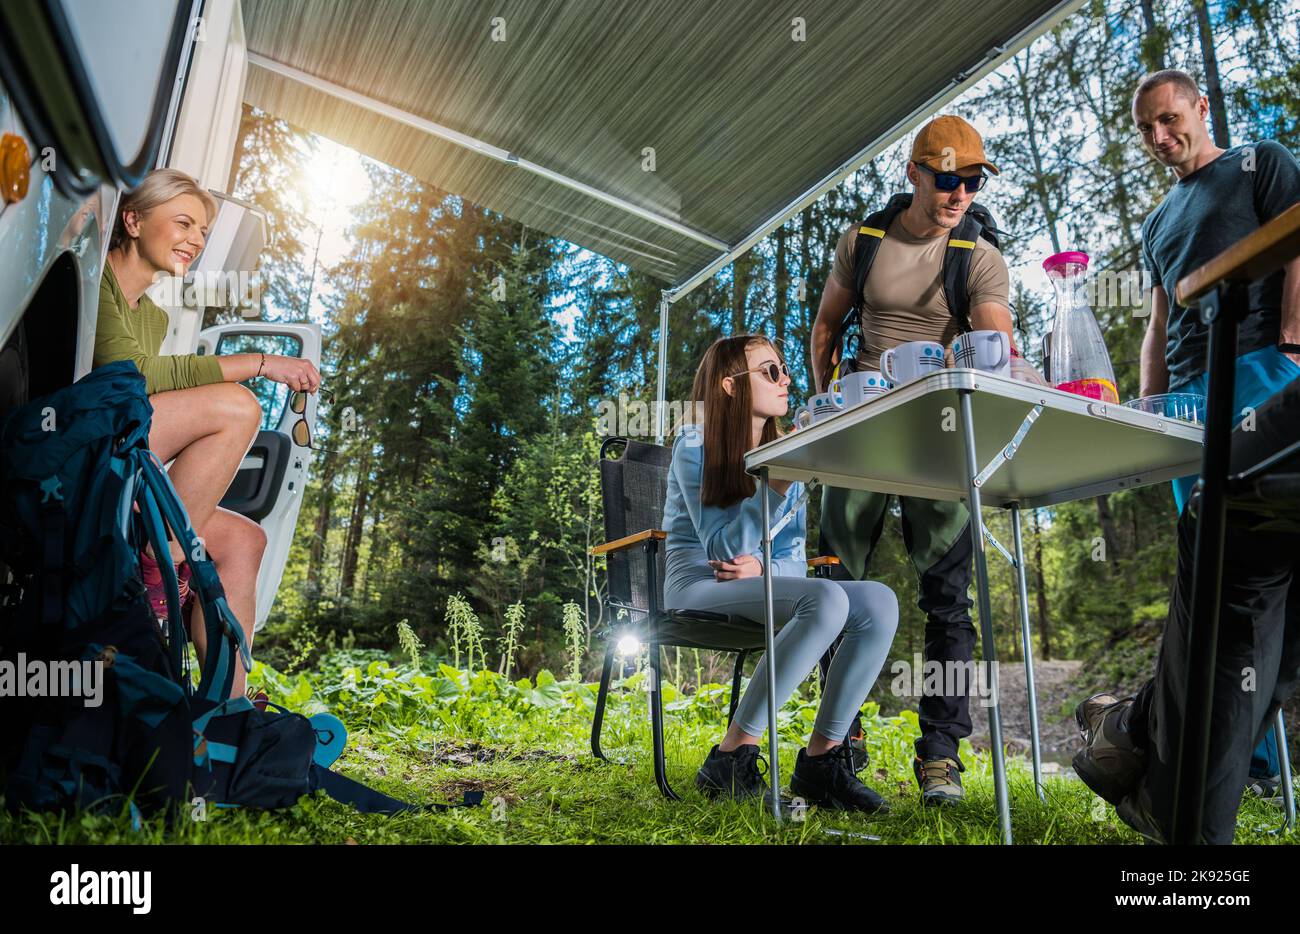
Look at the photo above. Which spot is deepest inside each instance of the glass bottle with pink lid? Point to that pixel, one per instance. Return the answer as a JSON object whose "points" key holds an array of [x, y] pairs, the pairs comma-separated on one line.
{"points": [[1078, 359]]}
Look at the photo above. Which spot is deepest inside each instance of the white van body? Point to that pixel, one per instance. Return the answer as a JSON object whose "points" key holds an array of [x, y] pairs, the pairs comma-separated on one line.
{"points": [[67, 57]]}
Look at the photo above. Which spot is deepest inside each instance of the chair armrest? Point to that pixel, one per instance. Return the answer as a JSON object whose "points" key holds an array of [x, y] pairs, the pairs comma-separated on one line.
{"points": [[822, 561], [622, 544]]}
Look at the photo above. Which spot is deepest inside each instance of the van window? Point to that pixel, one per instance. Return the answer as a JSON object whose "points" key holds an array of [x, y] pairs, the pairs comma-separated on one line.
{"points": [[273, 396]]}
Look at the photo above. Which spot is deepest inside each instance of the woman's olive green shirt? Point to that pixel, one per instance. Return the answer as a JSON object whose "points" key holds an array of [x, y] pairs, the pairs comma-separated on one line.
{"points": [[136, 334]]}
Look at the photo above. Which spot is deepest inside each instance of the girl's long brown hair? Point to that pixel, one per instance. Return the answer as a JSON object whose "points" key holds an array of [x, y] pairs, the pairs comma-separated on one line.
{"points": [[727, 425]]}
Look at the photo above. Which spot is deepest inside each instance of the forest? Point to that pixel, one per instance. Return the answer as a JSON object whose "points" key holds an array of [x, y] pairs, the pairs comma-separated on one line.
{"points": [[463, 432], [441, 595]]}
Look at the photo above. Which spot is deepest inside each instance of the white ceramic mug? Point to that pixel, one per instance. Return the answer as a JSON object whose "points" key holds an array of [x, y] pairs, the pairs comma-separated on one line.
{"points": [[861, 385], [910, 361], [825, 404], [983, 350]]}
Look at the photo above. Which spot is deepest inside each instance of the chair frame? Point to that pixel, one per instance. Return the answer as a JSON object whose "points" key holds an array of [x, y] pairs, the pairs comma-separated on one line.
{"points": [[648, 541]]}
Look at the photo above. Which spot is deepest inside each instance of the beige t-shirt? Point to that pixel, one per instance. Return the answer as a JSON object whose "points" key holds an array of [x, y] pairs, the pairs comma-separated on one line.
{"points": [[903, 299]]}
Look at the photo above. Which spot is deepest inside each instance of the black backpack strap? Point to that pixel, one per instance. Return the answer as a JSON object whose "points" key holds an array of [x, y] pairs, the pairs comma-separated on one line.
{"points": [[369, 801], [956, 270], [52, 562], [848, 337]]}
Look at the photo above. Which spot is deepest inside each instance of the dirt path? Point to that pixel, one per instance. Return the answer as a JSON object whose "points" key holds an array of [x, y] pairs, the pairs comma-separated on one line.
{"points": [[1058, 736]]}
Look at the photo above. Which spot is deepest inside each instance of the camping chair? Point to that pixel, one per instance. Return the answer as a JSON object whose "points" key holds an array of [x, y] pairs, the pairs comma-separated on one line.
{"points": [[633, 489], [1270, 487]]}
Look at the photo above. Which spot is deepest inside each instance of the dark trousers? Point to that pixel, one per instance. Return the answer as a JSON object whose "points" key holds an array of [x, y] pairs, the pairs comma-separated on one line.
{"points": [[1256, 669], [937, 537]]}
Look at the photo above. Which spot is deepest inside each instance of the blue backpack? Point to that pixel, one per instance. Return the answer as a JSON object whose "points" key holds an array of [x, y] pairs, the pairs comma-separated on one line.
{"points": [[75, 467]]}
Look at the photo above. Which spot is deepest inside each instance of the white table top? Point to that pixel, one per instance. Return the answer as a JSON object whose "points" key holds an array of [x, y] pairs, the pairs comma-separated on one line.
{"points": [[909, 441]]}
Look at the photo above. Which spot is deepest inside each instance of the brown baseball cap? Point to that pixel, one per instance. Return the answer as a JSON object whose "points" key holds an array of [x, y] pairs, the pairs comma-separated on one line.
{"points": [[949, 143]]}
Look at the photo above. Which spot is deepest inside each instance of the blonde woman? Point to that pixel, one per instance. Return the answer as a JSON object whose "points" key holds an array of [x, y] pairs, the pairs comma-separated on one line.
{"points": [[202, 417]]}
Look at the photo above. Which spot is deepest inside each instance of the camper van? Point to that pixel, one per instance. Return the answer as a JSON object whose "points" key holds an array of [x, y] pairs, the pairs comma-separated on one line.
{"points": [[92, 97]]}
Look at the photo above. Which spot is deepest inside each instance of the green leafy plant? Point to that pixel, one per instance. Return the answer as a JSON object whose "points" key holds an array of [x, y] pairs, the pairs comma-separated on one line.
{"points": [[463, 627], [575, 639], [510, 643], [410, 643]]}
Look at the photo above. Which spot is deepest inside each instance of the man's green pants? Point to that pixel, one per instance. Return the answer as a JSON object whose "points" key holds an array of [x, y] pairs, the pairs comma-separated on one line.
{"points": [[937, 537]]}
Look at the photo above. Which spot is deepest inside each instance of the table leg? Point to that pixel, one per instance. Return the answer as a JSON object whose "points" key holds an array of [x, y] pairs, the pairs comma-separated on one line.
{"points": [[769, 642], [1027, 643], [988, 649]]}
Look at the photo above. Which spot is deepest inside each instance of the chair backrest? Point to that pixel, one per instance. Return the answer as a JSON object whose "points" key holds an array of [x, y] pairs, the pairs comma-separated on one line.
{"points": [[633, 486]]}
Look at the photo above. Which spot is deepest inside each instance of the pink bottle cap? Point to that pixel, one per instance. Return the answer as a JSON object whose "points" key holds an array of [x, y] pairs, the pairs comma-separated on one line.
{"points": [[1057, 260]]}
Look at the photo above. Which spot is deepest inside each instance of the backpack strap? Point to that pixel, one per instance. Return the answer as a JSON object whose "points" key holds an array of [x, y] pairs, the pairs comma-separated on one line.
{"points": [[848, 337], [956, 269], [157, 536], [225, 636], [52, 569], [976, 223], [369, 801]]}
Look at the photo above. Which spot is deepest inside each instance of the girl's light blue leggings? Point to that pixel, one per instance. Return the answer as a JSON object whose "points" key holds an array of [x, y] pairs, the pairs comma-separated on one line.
{"points": [[817, 611]]}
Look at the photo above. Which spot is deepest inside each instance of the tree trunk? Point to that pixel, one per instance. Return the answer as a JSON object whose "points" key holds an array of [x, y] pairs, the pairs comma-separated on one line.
{"points": [[1040, 585], [1039, 182], [1213, 89], [741, 271], [376, 545], [1153, 39], [357, 520], [781, 306], [1108, 533], [316, 555]]}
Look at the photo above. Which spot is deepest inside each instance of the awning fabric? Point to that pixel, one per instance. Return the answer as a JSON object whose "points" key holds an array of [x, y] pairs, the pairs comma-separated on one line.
{"points": [[557, 104]]}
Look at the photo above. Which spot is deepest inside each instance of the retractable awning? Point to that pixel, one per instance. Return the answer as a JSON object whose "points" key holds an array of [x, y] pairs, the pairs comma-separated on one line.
{"points": [[669, 135], [550, 111]]}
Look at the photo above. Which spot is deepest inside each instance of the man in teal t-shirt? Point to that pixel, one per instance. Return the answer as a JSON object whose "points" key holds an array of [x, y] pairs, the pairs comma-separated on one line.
{"points": [[1220, 197]]}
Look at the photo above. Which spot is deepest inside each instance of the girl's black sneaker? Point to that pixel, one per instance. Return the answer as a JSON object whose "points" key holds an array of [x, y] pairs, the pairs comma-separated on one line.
{"points": [[732, 774], [828, 781]]}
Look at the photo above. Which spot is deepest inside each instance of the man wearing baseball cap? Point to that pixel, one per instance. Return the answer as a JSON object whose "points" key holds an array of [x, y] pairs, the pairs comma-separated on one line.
{"points": [[903, 299]]}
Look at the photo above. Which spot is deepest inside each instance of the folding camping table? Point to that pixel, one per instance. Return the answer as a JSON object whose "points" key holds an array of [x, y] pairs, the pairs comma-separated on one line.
{"points": [[967, 434]]}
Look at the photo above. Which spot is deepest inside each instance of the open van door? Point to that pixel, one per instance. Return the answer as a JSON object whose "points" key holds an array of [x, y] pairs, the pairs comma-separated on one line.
{"points": [[269, 485]]}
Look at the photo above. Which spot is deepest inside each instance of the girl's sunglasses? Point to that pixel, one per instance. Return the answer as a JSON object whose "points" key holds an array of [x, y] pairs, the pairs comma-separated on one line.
{"points": [[301, 432], [772, 371], [948, 181]]}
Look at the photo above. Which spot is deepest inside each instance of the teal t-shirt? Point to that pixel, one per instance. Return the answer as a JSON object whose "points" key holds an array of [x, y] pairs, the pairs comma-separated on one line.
{"points": [[1204, 214]]}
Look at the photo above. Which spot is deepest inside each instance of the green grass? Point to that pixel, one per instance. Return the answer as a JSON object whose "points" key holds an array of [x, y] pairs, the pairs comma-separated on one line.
{"points": [[431, 735]]}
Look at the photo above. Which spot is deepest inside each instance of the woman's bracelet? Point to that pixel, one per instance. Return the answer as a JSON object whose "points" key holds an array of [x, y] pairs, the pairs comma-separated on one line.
{"points": [[260, 365]]}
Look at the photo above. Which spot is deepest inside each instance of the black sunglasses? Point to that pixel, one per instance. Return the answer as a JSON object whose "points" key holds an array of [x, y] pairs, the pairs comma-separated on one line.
{"points": [[301, 431], [948, 181]]}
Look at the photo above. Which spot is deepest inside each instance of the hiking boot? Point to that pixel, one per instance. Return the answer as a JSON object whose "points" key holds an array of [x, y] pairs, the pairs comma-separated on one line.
{"points": [[828, 781], [1135, 810], [1088, 714], [1266, 787], [940, 780], [734, 774], [1110, 762]]}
